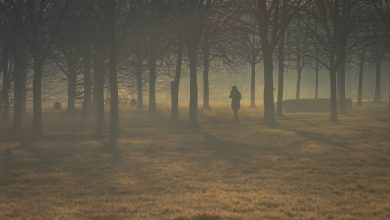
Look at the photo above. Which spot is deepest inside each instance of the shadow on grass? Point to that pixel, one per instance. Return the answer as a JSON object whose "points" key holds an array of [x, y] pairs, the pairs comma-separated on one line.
{"points": [[200, 217], [321, 138]]}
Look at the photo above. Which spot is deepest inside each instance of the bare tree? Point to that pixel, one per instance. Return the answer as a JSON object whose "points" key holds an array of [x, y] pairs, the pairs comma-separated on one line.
{"points": [[336, 27], [43, 31], [194, 14], [272, 18], [362, 62], [14, 13]]}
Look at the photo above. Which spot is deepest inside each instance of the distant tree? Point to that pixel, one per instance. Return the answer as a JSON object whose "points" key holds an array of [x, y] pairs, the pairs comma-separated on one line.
{"points": [[246, 47], [45, 20], [176, 81], [362, 62], [153, 44], [382, 9], [300, 52], [13, 14], [379, 56], [272, 18], [281, 61], [70, 63], [337, 28], [213, 38], [194, 14], [6, 70]]}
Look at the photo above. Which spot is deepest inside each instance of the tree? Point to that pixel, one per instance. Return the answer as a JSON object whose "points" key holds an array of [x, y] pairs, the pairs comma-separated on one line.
{"points": [[43, 32], [215, 28], [362, 61], [281, 60], [69, 61], [383, 10], [272, 18], [337, 28], [300, 51], [6, 64], [378, 74], [14, 13], [176, 82], [194, 13], [247, 47], [110, 14]]}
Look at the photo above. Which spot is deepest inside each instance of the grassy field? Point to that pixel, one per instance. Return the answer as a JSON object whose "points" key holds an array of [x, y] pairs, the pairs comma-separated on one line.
{"points": [[306, 168]]}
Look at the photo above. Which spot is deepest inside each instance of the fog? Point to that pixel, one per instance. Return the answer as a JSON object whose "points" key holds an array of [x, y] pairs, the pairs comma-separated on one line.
{"points": [[194, 109]]}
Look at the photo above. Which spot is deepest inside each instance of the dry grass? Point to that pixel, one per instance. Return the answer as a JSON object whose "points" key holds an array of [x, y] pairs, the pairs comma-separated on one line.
{"points": [[307, 168]]}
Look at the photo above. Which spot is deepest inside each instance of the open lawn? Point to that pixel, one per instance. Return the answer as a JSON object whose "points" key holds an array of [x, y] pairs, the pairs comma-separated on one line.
{"points": [[306, 168]]}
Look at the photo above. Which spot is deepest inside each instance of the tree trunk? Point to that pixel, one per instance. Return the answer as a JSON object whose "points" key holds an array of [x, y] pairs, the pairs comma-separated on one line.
{"points": [[333, 94], [299, 76], [360, 80], [72, 80], [193, 112], [317, 70], [378, 67], [114, 104], [269, 108], [176, 83], [341, 85], [298, 91], [20, 75], [87, 84], [19, 84], [113, 77], [253, 84], [6, 85], [37, 97], [152, 76], [140, 101], [206, 68], [99, 93], [279, 107]]}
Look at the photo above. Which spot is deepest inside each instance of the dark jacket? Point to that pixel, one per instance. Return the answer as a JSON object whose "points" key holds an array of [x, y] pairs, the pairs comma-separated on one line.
{"points": [[235, 95]]}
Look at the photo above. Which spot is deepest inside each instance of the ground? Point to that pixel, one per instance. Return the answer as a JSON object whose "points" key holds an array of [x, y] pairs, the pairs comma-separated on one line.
{"points": [[306, 168]]}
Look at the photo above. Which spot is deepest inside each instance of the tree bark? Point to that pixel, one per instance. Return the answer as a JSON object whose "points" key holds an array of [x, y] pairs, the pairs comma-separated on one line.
{"points": [[279, 107]]}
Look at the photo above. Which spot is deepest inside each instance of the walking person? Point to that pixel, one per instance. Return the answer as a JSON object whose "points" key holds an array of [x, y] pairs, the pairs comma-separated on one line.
{"points": [[235, 95]]}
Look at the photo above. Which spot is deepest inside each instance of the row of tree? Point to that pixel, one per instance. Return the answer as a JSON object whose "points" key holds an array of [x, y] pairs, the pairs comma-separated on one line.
{"points": [[91, 41]]}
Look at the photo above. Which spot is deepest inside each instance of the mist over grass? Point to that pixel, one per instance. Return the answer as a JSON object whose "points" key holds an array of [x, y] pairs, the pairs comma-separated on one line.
{"points": [[306, 168]]}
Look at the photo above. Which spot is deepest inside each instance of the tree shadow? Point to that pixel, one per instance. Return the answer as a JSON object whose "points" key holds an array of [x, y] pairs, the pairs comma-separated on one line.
{"points": [[200, 217], [235, 152], [326, 139]]}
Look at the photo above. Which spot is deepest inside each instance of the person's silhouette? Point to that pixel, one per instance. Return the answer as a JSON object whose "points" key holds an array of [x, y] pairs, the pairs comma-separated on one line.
{"points": [[235, 95]]}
